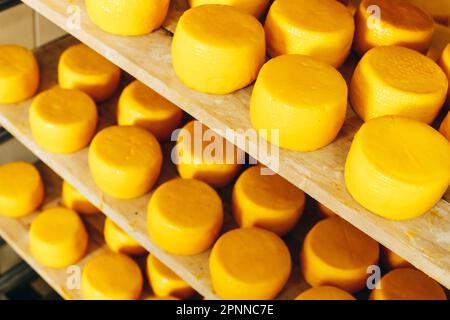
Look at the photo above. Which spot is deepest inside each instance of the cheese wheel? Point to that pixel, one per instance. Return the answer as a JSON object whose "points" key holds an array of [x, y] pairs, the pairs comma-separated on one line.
{"points": [[325, 293], [439, 9], [397, 168], [336, 253], [392, 23], [301, 99], [266, 201], [408, 284], [19, 74], [184, 216], [58, 238], [398, 81], [322, 29], [441, 38], [204, 155], [253, 7], [164, 282], [141, 106], [217, 49], [324, 212], [391, 260], [82, 68], [128, 17], [63, 120], [445, 127], [249, 264], [162, 298], [119, 241], [125, 162], [21, 189], [111, 276], [76, 201], [445, 63]]}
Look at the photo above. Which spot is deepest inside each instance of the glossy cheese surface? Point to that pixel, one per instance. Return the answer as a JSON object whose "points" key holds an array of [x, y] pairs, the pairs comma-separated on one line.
{"points": [[140, 106], [253, 7], [82, 68], [322, 29], [445, 127], [111, 276], [217, 49], [398, 168], [76, 201], [125, 161], [304, 100], [21, 189], [19, 74], [128, 17], [63, 120], [398, 22], [184, 216], [249, 264], [444, 62], [58, 237], [325, 293], [398, 81], [119, 241], [266, 201], [337, 254]]}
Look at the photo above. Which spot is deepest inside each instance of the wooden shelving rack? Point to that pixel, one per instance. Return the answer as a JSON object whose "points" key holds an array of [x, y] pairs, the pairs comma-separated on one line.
{"points": [[425, 241]]}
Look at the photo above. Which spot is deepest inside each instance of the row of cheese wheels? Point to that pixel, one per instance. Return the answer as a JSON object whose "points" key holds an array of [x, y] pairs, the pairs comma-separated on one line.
{"points": [[246, 263]]}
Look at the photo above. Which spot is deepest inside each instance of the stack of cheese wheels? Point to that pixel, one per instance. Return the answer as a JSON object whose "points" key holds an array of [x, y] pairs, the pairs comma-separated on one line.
{"points": [[444, 62], [111, 276], [325, 293], [82, 68], [407, 284], [298, 103], [119, 241], [439, 9], [218, 49], [58, 237], [63, 120], [141, 106], [19, 74], [249, 264], [390, 260], [266, 201], [128, 18], [76, 201], [184, 216], [398, 81], [164, 282], [336, 253], [322, 29], [445, 127], [253, 7], [21, 189], [398, 168], [124, 161], [390, 23], [202, 154]]}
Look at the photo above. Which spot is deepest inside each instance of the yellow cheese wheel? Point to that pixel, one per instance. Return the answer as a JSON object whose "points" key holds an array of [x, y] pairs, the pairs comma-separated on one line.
{"points": [[184, 216], [445, 63], [392, 23], [125, 162], [119, 241], [19, 74], [63, 120], [249, 264], [301, 99], [266, 201], [111, 276], [204, 155], [398, 168], [324, 212], [391, 260], [58, 237], [398, 81], [253, 7], [408, 284], [441, 38], [445, 127], [439, 9], [164, 282], [325, 293], [336, 253], [322, 29], [217, 49], [82, 68], [128, 17], [76, 201], [141, 106], [21, 189]]}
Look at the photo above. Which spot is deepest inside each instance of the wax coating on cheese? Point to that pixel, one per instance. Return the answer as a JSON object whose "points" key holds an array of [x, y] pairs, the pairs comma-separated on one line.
{"points": [[325, 293], [444, 62], [253, 7], [119, 241], [74, 200], [445, 127]]}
